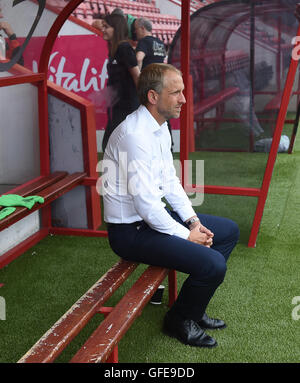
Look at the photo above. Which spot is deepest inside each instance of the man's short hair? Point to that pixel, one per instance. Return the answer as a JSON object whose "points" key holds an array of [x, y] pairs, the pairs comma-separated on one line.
{"points": [[146, 23], [152, 78]]}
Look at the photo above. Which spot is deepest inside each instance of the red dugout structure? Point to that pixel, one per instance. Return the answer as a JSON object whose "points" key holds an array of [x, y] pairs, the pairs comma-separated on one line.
{"points": [[63, 167], [240, 82], [48, 137]]}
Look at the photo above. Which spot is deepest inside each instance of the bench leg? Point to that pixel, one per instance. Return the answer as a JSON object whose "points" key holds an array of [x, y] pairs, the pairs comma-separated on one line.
{"points": [[113, 357], [172, 278]]}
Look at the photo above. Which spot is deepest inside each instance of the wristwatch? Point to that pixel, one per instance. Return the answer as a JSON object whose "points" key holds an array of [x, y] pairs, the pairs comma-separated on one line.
{"points": [[192, 220], [13, 36]]}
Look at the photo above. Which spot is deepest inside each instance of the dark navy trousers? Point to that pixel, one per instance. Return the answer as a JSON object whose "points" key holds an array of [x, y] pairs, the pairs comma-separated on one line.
{"points": [[206, 267]]}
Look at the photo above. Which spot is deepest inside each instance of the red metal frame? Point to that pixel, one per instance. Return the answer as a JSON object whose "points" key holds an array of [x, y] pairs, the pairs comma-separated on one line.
{"points": [[90, 145], [40, 79], [88, 130], [172, 278], [53, 33], [22, 79], [260, 193], [274, 147], [185, 69], [23, 75], [78, 232]]}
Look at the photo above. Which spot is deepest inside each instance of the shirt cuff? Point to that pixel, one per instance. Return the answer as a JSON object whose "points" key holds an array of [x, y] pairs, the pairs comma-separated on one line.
{"points": [[181, 231], [186, 213]]}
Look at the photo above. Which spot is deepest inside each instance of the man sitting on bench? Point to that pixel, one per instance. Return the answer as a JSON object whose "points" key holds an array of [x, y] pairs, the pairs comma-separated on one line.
{"points": [[140, 229]]}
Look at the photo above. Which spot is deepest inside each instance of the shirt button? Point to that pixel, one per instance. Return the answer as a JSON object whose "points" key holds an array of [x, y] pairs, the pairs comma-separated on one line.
{"points": [[160, 188]]}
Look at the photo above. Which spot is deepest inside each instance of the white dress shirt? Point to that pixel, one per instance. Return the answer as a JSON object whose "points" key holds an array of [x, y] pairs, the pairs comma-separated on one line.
{"points": [[138, 172]]}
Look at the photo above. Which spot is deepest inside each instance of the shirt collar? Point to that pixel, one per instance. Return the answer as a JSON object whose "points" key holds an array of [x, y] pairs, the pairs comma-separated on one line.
{"points": [[154, 126]]}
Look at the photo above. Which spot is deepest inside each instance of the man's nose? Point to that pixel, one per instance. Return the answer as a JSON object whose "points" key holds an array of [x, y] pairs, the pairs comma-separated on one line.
{"points": [[182, 99]]}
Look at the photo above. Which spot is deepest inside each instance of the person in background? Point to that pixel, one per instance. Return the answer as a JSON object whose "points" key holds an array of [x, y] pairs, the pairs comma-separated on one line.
{"points": [[123, 73], [130, 23], [149, 50], [140, 227], [12, 45]]}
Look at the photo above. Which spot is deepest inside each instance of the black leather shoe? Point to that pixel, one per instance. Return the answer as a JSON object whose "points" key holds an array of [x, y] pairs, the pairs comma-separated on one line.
{"points": [[210, 323], [187, 331]]}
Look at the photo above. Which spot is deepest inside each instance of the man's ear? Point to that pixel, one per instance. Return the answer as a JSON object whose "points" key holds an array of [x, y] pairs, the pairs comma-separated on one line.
{"points": [[152, 97]]}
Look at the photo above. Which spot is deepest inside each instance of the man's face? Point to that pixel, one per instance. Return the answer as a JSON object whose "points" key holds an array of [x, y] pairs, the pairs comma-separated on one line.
{"points": [[171, 98], [139, 31]]}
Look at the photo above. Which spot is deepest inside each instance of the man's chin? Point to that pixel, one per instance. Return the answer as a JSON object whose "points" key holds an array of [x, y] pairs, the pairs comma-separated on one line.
{"points": [[176, 115], [172, 115]]}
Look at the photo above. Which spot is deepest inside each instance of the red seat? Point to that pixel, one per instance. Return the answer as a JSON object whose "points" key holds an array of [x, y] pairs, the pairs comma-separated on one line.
{"points": [[213, 101], [274, 104]]}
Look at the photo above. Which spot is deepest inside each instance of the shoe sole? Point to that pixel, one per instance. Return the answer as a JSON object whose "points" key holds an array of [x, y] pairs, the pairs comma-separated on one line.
{"points": [[214, 328], [171, 335]]}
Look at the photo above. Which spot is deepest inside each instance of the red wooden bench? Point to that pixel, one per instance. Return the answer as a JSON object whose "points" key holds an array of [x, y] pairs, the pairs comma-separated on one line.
{"points": [[56, 185], [274, 103], [101, 346], [34, 187], [50, 188], [214, 100]]}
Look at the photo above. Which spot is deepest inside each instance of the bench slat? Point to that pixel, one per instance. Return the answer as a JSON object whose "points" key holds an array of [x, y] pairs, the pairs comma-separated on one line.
{"points": [[37, 185], [101, 343], [274, 103], [71, 323], [212, 101], [49, 194]]}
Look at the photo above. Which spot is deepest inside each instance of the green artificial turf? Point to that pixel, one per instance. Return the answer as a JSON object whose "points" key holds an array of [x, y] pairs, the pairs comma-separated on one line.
{"points": [[255, 299]]}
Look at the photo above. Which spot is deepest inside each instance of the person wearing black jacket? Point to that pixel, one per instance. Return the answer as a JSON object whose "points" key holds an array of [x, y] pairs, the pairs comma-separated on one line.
{"points": [[149, 49], [123, 73]]}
